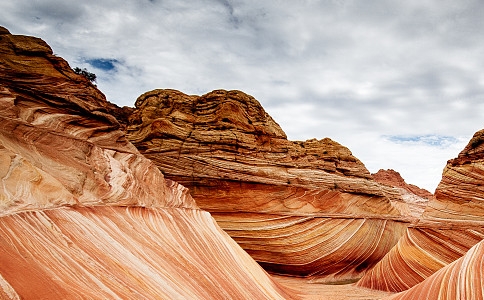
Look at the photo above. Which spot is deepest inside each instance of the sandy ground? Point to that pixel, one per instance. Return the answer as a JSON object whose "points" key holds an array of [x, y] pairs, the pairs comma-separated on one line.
{"points": [[313, 291]]}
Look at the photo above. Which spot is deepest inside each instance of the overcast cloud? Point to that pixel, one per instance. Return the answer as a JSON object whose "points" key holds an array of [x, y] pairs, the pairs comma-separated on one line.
{"points": [[400, 83]]}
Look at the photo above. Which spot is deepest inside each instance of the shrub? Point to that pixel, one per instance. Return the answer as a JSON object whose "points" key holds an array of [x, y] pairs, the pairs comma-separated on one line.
{"points": [[84, 72]]}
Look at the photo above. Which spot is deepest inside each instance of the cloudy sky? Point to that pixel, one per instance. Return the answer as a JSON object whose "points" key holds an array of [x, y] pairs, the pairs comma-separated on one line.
{"points": [[400, 83]]}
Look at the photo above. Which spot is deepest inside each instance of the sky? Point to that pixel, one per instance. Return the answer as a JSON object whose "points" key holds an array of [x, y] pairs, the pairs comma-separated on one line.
{"points": [[400, 83]]}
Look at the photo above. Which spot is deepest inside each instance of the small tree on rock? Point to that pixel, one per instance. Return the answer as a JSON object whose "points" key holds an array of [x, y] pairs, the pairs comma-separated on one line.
{"points": [[84, 72]]}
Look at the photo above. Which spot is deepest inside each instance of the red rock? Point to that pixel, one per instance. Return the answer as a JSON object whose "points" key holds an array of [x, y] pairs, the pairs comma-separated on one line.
{"points": [[461, 279], [451, 224], [393, 178], [83, 214], [127, 253], [415, 199], [299, 208]]}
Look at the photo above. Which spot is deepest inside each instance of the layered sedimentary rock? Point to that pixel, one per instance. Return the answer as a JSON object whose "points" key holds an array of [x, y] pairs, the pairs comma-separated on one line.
{"points": [[109, 252], [451, 224], [462, 279], [420, 253], [83, 214], [301, 208], [415, 198]]}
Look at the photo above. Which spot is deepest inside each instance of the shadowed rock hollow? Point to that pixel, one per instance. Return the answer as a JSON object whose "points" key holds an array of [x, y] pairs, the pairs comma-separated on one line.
{"points": [[300, 208]]}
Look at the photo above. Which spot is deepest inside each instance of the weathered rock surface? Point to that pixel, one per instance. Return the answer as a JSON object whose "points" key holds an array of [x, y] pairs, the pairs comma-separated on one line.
{"points": [[83, 214], [299, 208], [421, 252], [393, 178], [462, 279], [126, 253], [451, 224], [415, 198]]}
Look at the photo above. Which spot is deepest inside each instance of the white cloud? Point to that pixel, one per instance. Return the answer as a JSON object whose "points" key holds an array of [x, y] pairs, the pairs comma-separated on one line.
{"points": [[351, 70]]}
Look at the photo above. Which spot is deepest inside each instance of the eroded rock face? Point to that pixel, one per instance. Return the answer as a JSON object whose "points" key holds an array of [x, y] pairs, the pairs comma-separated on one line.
{"points": [[415, 199], [55, 121], [393, 178], [451, 224], [299, 208], [83, 214]]}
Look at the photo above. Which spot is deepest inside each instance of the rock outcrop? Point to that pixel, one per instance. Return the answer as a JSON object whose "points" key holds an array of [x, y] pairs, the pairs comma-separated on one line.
{"points": [[83, 214], [415, 198], [451, 224], [300, 208], [393, 178]]}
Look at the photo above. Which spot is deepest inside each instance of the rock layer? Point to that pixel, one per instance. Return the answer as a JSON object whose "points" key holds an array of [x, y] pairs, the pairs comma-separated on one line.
{"points": [[451, 224], [83, 214], [299, 208], [461, 279], [125, 253]]}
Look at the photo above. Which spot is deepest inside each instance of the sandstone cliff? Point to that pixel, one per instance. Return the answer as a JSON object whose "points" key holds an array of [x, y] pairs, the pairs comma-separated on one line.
{"points": [[451, 224], [300, 208], [83, 214]]}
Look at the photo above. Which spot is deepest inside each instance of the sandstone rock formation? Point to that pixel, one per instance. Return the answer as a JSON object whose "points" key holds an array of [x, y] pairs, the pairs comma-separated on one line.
{"points": [[415, 198], [451, 224], [461, 279], [83, 214], [300, 208], [393, 178]]}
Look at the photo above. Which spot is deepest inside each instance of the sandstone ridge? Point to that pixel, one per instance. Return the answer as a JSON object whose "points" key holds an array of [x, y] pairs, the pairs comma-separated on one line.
{"points": [[299, 208], [83, 214], [450, 226]]}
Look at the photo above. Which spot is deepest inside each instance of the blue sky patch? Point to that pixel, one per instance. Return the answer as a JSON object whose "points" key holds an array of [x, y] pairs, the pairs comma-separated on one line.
{"points": [[429, 139], [103, 63]]}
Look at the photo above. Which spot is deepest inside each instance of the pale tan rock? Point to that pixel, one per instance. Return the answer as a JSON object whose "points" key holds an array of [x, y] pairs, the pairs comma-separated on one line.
{"points": [[25, 187], [59, 123]]}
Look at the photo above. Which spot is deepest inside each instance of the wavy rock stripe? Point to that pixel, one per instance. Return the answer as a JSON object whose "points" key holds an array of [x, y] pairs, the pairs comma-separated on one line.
{"points": [[56, 128], [66, 169], [235, 159], [419, 254], [462, 279], [7, 291], [460, 195], [312, 246], [451, 224], [125, 253], [25, 187], [232, 196], [415, 199], [80, 171], [227, 136]]}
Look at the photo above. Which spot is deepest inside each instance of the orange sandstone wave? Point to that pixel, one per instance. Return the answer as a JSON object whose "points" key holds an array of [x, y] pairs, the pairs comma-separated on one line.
{"points": [[125, 253], [299, 208], [83, 214], [451, 224], [462, 279]]}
